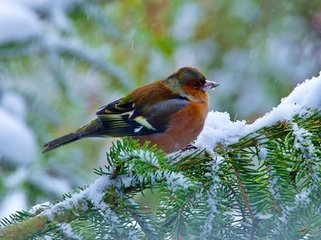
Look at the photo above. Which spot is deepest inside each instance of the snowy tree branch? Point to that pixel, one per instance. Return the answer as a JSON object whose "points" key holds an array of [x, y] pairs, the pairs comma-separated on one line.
{"points": [[257, 180]]}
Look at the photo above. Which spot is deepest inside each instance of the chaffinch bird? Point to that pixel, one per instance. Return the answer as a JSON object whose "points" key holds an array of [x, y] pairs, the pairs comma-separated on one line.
{"points": [[169, 113]]}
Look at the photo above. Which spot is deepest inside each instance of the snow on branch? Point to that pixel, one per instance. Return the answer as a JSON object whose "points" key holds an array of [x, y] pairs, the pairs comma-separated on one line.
{"points": [[220, 129], [199, 176]]}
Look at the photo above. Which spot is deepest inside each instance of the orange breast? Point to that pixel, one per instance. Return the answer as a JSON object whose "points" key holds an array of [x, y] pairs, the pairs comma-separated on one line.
{"points": [[183, 128]]}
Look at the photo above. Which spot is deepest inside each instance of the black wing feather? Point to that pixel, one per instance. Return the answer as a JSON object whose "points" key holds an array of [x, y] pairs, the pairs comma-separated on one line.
{"points": [[121, 119], [115, 107]]}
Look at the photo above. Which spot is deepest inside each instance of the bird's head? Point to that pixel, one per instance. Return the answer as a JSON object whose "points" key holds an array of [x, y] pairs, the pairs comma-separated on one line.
{"points": [[189, 81], [189, 77]]}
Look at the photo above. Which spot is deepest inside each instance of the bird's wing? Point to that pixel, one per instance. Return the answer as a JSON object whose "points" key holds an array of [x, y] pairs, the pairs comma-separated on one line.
{"points": [[126, 117]]}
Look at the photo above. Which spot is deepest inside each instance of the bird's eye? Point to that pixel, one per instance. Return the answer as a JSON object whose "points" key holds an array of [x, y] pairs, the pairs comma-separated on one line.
{"points": [[202, 81], [196, 83]]}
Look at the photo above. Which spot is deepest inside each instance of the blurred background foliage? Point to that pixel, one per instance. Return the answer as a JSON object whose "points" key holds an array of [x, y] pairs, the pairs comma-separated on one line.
{"points": [[61, 60]]}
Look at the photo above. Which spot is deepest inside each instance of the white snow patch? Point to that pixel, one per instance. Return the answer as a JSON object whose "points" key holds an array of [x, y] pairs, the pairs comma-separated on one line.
{"points": [[219, 129], [97, 190], [274, 186], [17, 142], [176, 181], [14, 104], [305, 95], [286, 212], [17, 23], [38, 207], [69, 232], [145, 156], [264, 216], [302, 141], [303, 197], [94, 192], [263, 152], [14, 201], [282, 112], [211, 200], [307, 236]]}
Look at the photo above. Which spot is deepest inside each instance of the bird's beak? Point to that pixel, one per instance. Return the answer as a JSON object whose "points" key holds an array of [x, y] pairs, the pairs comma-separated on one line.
{"points": [[210, 85]]}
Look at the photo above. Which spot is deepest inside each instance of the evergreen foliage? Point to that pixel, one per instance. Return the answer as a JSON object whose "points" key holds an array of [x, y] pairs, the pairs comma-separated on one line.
{"points": [[88, 53], [265, 186]]}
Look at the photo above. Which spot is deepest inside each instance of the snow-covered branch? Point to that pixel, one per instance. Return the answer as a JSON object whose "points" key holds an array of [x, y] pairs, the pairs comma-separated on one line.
{"points": [[252, 177], [219, 129]]}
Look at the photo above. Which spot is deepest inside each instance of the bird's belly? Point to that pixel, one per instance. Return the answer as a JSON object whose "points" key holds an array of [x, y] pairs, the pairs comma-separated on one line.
{"points": [[183, 129]]}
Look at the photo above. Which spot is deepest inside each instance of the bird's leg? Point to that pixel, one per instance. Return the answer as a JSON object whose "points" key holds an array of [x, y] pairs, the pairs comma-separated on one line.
{"points": [[189, 147]]}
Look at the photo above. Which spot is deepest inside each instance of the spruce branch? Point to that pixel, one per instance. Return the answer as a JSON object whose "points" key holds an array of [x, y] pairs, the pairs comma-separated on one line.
{"points": [[263, 181]]}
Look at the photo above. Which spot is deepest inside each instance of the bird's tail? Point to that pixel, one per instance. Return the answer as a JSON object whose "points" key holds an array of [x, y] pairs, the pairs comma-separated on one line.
{"points": [[88, 130], [68, 138]]}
